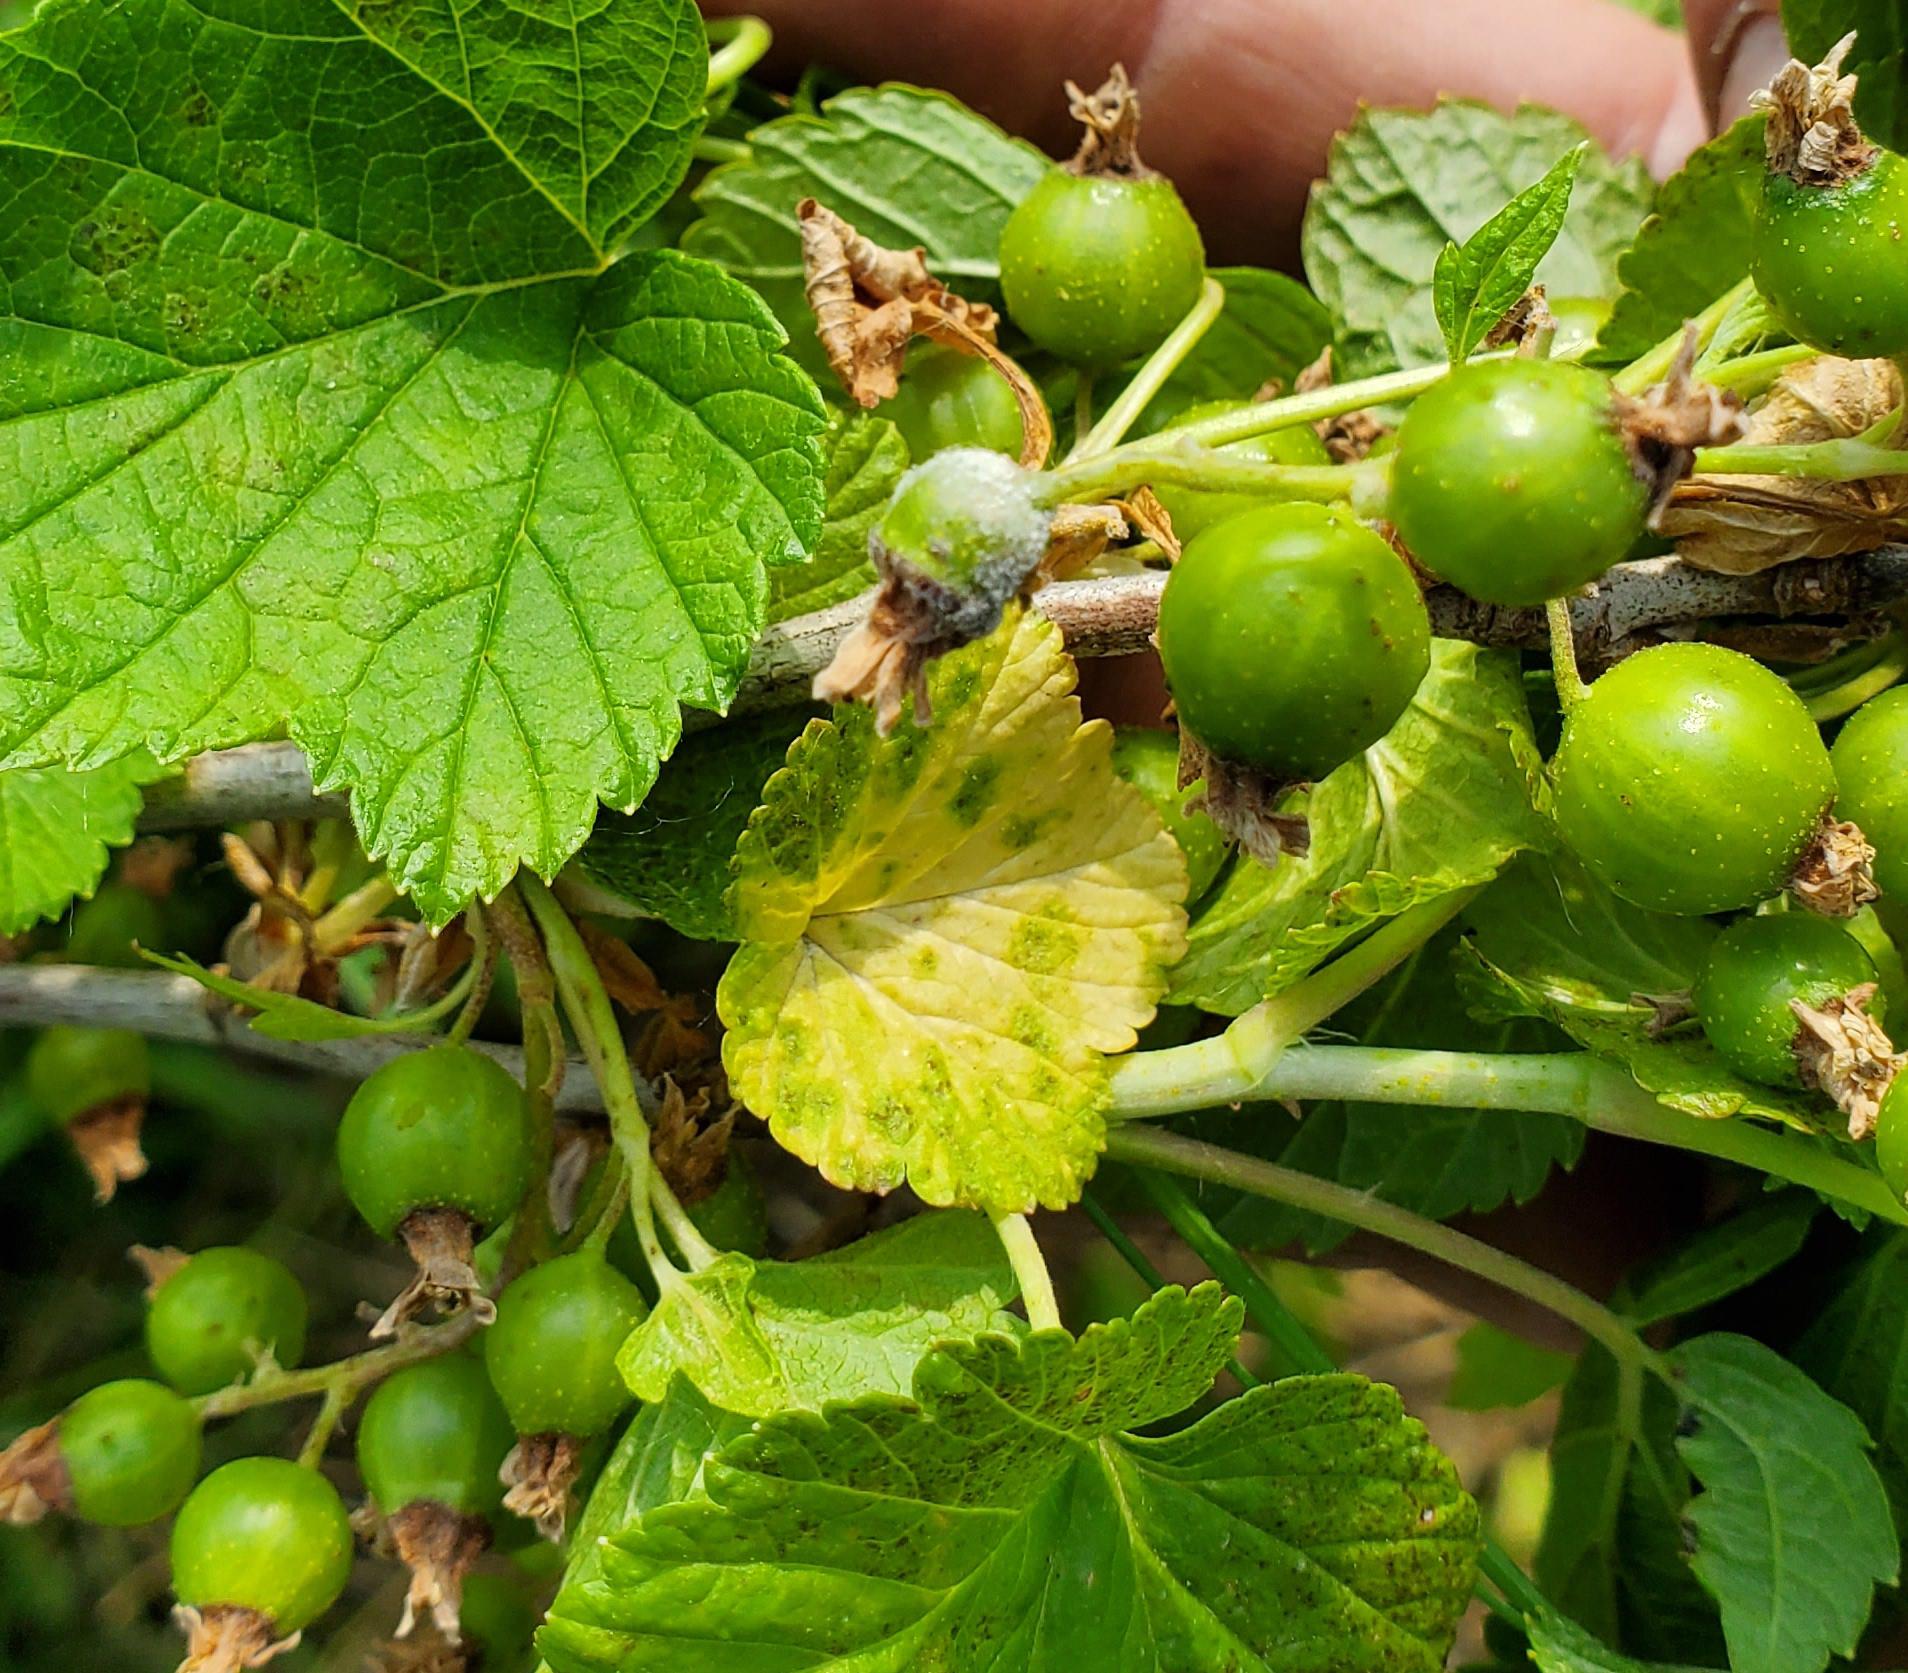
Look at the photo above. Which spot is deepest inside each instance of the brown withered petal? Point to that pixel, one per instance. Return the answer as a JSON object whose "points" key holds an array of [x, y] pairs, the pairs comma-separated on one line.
{"points": [[539, 1475], [440, 1242], [1842, 1051], [223, 1639], [33, 1477]]}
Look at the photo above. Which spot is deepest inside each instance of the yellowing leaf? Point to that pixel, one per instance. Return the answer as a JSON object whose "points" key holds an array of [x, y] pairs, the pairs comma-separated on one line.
{"points": [[945, 930]]}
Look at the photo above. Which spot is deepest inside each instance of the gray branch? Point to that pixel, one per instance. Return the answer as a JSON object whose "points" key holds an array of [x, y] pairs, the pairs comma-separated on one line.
{"points": [[163, 1006], [1798, 612]]}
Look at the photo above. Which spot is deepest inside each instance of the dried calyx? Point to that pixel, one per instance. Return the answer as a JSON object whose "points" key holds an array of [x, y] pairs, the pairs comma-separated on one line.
{"points": [[33, 1477], [107, 1140], [1242, 802], [539, 1475], [440, 1242], [226, 1639], [1835, 876], [1842, 1051], [439, 1546], [1663, 427], [1110, 114], [1813, 136]]}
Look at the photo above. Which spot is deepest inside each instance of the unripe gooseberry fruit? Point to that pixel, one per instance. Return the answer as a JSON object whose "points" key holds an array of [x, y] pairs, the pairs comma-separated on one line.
{"points": [[131, 1451], [1194, 510], [435, 1432], [1512, 482], [1757, 969], [442, 1128], [1891, 1137], [1691, 780], [1831, 260], [207, 1323], [735, 1214], [1871, 773], [1149, 761], [111, 927], [262, 1535], [71, 1071], [552, 1351], [949, 399], [1292, 638]]}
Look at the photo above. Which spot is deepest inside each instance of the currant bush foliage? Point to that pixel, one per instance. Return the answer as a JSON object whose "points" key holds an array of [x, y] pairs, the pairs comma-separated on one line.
{"points": [[334, 410]]}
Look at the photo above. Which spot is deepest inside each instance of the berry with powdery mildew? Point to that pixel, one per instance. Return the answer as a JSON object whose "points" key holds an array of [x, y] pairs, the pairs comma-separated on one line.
{"points": [[1512, 481], [1101, 259], [1691, 780], [210, 1320]]}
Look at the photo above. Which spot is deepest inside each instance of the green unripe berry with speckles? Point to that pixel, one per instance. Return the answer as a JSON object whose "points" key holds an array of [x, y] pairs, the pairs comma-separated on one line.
{"points": [[1756, 970], [1512, 483], [949, 399], [1099, 268], [207, 1322], [71, 1070], [131, 1450], [1832, 260], [1871, 771], [263, 1534], [1292, 638], [1690, 779], [552, 1351], [435, 1432], [1194, 510]]}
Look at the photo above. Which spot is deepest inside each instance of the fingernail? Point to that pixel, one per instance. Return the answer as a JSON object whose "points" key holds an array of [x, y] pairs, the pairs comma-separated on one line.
{"points": [[1755, 50]]}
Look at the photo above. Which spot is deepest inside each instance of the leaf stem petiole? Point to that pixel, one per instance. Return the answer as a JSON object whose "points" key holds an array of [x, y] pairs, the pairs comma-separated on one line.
{"points": [[342, 1380], [1030, 1270], [749, 39], [1563, 653], [1843, 459], [1654, 366], [1152, 375]]}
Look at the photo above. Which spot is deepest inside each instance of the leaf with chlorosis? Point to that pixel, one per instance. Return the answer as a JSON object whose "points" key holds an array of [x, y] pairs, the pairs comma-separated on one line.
{"points": [[1007, 1517], [946, 932], [760, 1337], [57, 831], [332, 410]]}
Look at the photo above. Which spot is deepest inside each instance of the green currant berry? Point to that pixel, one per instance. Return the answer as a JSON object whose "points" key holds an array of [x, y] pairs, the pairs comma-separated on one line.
{"points": [[1891, 1137], [500, 1620], [441, 1128], [1690, 779], [71, 1070], [1149, 761], [552, 1351], [963, 530], [1831, 262], [1578, 320], [1098, 268], [1194, 510], [131, 1451], [1871, 768], [208, 1321], [1755, 969], [949, 399], [263, 1534], [734, 1215], [1512, 482], [1292, 638], [109, 928], [435, 1432]]}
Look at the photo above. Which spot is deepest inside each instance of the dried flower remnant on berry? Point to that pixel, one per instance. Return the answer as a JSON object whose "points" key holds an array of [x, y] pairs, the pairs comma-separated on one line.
{"points": [[1844, 1052], [1813, 136]]}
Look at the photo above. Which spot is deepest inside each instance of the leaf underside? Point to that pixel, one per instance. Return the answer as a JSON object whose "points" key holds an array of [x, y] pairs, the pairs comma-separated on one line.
{"points": [[326, 411]]}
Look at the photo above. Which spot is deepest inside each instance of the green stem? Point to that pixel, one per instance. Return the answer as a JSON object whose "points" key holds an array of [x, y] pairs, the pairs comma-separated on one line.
{"points": [[1196, 1160], [587, 1005], [480, 971], [1750, 374], [1176, 461], [1231, 1065], [606, 1210], [533, 1236], [330, 1410], [1275, 1320], [342, 1380], [1030, 1270], [1151, 377], [1885, 664], [712, 148], [1844, 459], [1655, 365], [749, 40], [1563, 653], [1082, 406]]}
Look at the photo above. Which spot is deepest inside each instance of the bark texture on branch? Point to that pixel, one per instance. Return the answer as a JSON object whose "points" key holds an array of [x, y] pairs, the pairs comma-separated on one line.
{"points": [[163, 1006], [1798, 612]]}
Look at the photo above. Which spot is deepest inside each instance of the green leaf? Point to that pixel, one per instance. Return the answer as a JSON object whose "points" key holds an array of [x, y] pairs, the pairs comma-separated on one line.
{"points": [[760, 1337], [905, 165], [1611, 1555], [1440, 803], [1693, 248], [1475, 284], [1271, 328], [1496, 1370], [328, 418], [1879, 57], [866, 457], [57, 829], [1005, 1518], [1561, 1646], [1549, 941], [1857, 1350], [670, 859], [1792, 1528], [1401, 185], [1436, 1160], [284, 1016], [946, 931], [658, 1460], [1719, 1260]]}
